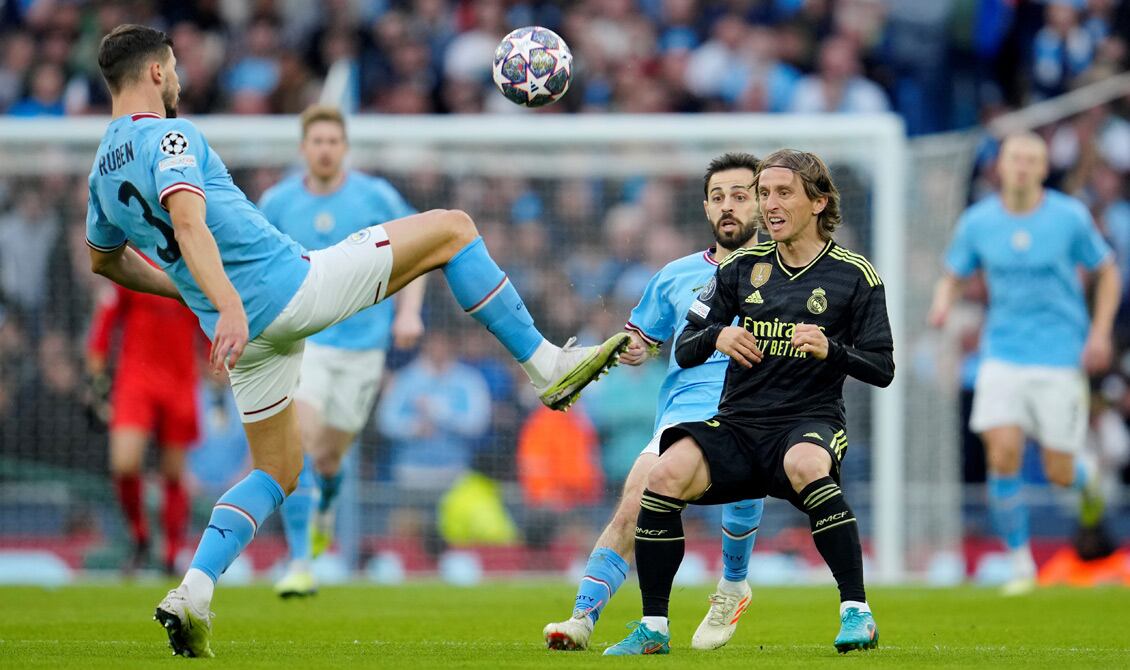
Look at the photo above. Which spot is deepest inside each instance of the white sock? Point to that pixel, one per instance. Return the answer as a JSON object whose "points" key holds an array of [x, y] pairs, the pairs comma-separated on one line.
{"points": [[862, 607], [734, 588], [539, 367], [656, 623], [299, 565], [1022, 562], [200, 588]]}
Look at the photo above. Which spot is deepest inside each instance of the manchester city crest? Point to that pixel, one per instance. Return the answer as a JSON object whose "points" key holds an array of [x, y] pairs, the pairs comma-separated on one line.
{"points": [[324, 222], [818, 301], [760, 274], [360, 236]]}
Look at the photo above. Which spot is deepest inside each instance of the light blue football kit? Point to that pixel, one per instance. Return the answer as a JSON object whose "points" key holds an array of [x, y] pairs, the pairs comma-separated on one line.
{"points": [[317, 221], [1037, 314], [687, 394], [142, 159]]}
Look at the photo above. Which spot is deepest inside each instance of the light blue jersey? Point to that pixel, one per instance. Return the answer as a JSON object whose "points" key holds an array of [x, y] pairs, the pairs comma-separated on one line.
{"points": [[1037, 314], [143, 159], [687, 394], [319, 221]]}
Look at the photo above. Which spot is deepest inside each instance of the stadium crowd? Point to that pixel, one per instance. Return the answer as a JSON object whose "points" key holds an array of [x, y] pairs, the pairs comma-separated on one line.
{"points": [[941, 65]]}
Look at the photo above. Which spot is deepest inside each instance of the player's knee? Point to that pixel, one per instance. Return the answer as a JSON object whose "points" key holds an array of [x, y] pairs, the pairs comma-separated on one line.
{"points": [[459, 228], [803, 469], [666, 478], [1060, 474]]}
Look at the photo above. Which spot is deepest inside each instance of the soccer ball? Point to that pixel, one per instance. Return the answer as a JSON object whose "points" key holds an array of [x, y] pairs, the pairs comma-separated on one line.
{"points": [[532, 66]]}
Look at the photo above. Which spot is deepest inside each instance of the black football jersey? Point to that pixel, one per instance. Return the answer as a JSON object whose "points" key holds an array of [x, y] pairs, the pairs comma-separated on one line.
{"points": [[839, 291]]}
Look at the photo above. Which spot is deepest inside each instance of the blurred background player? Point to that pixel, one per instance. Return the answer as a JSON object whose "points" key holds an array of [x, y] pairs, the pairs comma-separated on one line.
{"points": [[153, 398], [155, 181], [687, 394], [1030, 242], [342, 365]]}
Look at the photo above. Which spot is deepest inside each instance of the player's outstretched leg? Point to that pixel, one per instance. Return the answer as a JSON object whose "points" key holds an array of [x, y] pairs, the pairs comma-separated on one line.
{"points": [[297, 511], [607, 566], [276, 454], [449, 239], [739, 531]]}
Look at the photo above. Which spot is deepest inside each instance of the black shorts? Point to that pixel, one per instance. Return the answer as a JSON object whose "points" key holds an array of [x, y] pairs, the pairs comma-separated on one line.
{"points": [[746, 459]]}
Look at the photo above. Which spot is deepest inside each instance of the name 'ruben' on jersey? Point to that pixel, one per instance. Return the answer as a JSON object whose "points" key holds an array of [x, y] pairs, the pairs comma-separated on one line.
{"points": [[143, 159], [317, 221], [838, 291], [687, 394]]}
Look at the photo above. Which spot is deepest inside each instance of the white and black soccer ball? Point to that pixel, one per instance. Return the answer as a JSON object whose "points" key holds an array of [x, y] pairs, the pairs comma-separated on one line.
{"points": [[533, 66], [174, 143]]}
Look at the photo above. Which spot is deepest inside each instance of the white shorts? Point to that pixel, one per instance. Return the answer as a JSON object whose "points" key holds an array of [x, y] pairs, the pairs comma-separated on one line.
{"points": [[653, 446], [341, 384], [344, 279], [1049, 404]]}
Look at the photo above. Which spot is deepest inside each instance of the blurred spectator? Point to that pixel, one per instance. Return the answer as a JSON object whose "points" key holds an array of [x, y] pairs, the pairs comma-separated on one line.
{"points": [[27, 234], [432, 412], [558, 461], [16, 58], [838, 86], [1062, 50], [45, 92], [622, 407]]}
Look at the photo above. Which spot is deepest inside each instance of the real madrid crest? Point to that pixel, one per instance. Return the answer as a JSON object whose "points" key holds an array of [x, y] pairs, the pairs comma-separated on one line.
{"points": [[818, 301], [760, 274]]}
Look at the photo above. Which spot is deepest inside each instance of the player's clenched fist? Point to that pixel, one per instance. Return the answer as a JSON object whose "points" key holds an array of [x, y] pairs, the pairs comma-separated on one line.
{"points": [[810, 339], [739, 344], [230, 338], [637, 351]]}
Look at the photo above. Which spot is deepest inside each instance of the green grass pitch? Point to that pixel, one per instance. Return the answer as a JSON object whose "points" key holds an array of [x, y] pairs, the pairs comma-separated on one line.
{"points": [[429, 625]]}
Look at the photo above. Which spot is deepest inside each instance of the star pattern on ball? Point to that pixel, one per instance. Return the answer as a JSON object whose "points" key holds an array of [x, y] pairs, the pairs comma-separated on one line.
{"points": [[522, 45], [534, 86]]}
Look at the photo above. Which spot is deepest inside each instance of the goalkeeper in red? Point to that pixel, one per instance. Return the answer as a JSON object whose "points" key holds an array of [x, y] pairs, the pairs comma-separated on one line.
{"points": [[258, 294], [809, 313]]}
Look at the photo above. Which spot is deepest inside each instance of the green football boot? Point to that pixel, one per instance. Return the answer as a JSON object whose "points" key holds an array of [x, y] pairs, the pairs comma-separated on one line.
{"points": [[576, 367]]}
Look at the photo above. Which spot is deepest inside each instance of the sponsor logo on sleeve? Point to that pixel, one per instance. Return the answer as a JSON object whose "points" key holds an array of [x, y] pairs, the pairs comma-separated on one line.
{"points": [[177, 162], [697, 307]]}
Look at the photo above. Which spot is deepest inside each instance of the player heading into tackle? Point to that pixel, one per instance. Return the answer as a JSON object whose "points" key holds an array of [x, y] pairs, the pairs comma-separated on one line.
{"points": [[687, 394], [1038, 342], [810, 313], [157, 184], [342, 365]]}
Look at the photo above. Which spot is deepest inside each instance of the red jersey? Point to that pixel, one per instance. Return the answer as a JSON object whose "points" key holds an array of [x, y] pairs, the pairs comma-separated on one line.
{"points": [[160, 337]]}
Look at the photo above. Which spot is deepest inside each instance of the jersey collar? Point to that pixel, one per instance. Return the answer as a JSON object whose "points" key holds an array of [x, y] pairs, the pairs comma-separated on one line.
{"points": [[709, 255], [793, 275], [144, 115]]}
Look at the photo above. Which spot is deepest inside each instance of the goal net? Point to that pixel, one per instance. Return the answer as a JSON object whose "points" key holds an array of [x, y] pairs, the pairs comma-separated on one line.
{"points": [[579, 211]]}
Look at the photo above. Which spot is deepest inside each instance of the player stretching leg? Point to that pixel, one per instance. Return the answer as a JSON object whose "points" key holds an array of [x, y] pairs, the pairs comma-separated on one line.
{"points": [[1030, 242], [156, 183], [687, 395], [342, 365], [811, 313], [153, 398]]}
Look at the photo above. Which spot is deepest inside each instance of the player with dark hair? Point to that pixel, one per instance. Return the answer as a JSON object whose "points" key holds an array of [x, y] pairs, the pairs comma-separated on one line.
{"points": [[1039, 341], [157, 184], [687, 394], [342, 365], [152, 397], [810, 313]]}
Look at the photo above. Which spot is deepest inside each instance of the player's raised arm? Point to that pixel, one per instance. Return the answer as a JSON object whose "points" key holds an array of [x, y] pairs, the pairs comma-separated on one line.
{"points": [[198, 248], [708, 326]]}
